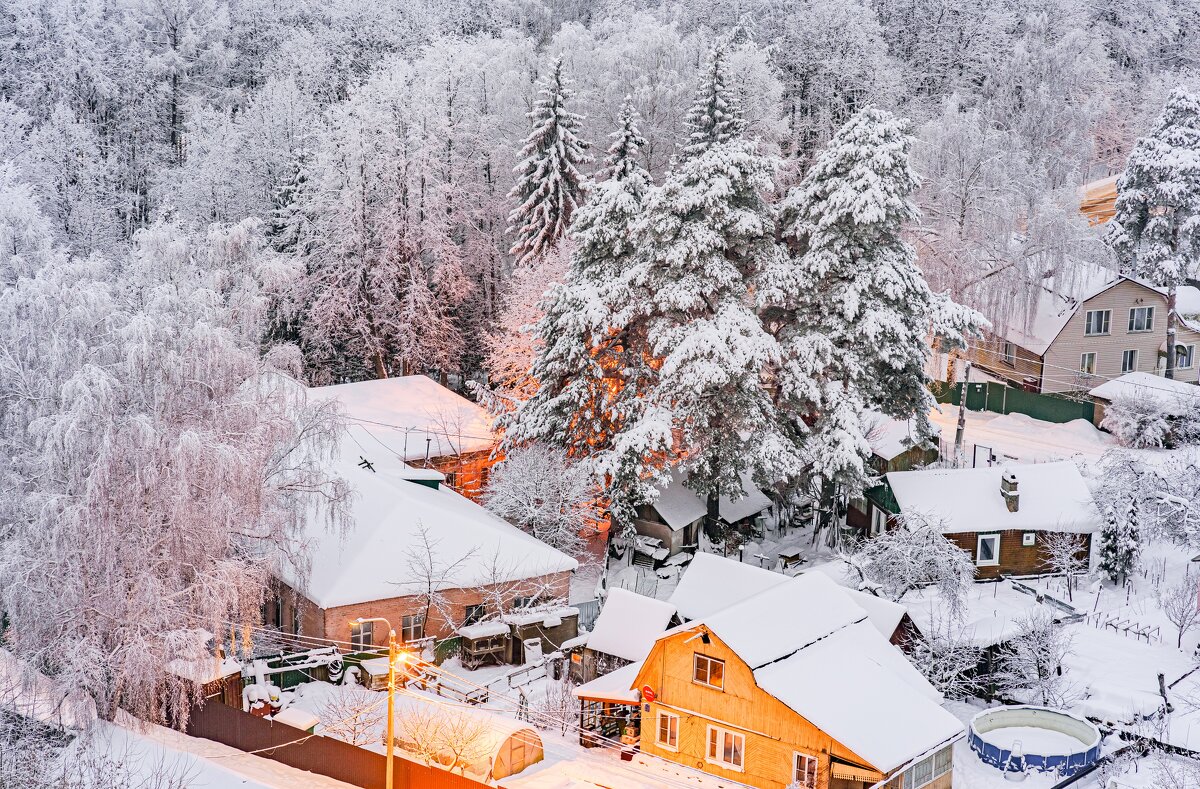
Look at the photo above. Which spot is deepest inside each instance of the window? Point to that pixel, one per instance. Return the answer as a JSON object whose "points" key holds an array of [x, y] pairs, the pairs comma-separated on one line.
{"points": [[708, 671], [987, 552], [726, 748], [362, 636], [278, 612], [929, 768], [296, 618], [1029, 538], [1087, 363], [1097, 322], [804, 772], [1008, 353], [1185, 356], [412, 628], [668, 730], [473, 614], [878, 521], [520, 601], [1129, 361], [1141, 319]]}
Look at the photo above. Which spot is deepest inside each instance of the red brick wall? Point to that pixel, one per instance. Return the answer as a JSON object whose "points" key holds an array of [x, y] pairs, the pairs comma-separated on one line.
{"points": [[334, 623], [467, 473], [1015, 558]]}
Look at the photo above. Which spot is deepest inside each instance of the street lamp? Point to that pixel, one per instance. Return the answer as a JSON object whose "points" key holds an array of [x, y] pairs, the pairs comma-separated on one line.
{"points": [[391, 691]]}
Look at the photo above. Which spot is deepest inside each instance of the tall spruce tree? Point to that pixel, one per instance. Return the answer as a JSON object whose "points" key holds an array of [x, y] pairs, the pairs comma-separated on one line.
{"points": [[849, 306], [1156, 230], [704, 236], [549, 185], [1120, 543], [587, 382]]}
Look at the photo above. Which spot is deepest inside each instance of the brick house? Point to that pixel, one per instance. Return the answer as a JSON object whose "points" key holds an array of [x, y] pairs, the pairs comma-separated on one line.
{"points": [[415, 552], [1076, 335], [424, 423], [1000, 515], [824, 702]]}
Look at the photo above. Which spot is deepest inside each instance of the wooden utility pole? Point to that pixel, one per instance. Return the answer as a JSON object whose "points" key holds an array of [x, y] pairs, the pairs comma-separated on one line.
{"points": [[962, 410]]}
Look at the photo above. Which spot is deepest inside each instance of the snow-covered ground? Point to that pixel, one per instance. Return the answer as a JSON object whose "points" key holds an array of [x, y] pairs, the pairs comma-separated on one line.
{"points": [[1021, 437]]}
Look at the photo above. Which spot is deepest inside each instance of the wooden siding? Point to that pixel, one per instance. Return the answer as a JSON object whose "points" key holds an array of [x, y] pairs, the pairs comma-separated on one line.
{"points": [[1063, 355], [990, 356], [1015, 558], [773, 731], [467, 473]]}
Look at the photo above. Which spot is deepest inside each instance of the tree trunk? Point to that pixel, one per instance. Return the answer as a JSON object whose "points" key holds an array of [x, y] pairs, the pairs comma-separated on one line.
{"points": [[1171, 321], [380, 367], [712, 518]]}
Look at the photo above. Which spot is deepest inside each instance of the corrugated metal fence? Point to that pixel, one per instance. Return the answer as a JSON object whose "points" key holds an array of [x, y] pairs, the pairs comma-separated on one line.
{"points": [[1003, 399], [323, 755]]}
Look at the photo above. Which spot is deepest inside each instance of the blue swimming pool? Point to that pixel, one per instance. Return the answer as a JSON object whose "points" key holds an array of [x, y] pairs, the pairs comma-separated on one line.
{"points": [[1034, 739]]}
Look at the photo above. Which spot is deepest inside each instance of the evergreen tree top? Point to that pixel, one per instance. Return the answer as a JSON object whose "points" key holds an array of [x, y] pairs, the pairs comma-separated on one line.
{"points": [[714, 117], [622, 162], [1156, 230], [549, 185]]}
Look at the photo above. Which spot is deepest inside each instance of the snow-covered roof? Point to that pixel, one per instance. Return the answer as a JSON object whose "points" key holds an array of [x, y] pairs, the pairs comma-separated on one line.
{"points": [[1097, 200], [615, 686], [387, 512], [1055, 303], [1175, 397], [863, 692], [629, 624], [403, 412], [296, 718], [484, 630], [679, 506], [890, 437], [711, 582], [832, 665], [32, 694], [884, 614], [1053, 497]]}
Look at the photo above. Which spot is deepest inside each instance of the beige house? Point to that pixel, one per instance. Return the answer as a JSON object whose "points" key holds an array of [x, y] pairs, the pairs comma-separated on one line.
{"points": [[1074, 338]]}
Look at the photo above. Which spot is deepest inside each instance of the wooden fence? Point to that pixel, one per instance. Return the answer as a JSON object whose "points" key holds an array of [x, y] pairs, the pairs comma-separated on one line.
{"points": [[323, 755]]}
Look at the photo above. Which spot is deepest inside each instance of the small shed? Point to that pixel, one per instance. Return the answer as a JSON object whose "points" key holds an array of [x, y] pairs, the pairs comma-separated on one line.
{"points": [[626, 629], [552, 625], [1175, 398], [609, 709], [482, 642]]}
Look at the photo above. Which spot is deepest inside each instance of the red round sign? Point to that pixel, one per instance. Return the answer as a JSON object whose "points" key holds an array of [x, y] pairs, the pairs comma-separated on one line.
{"points": [[647, 693]]}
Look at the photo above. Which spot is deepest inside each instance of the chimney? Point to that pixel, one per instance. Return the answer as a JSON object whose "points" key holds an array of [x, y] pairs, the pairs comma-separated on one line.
{"points": [[1008, 489]]}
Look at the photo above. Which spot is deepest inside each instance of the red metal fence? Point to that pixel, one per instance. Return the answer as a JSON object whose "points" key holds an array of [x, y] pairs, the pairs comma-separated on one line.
{"points": [[324, 755]]}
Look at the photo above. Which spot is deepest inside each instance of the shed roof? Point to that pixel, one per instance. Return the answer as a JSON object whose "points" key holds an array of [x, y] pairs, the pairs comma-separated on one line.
{"points": [[387, 512], [628, 624], [1176, 397], [615, 686], [679, 505], [1053, 497], [890, 437]]}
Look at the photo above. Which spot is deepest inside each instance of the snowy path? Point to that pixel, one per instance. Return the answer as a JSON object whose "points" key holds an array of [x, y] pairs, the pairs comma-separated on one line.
{"points": [[1025, 438]]}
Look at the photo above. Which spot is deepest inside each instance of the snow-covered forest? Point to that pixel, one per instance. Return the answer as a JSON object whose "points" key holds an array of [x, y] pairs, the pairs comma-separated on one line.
{"points": [[203, 202]]}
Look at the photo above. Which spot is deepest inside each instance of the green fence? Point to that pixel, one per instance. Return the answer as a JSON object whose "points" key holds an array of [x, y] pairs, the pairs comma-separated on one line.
{"points": [[1006, 400]]}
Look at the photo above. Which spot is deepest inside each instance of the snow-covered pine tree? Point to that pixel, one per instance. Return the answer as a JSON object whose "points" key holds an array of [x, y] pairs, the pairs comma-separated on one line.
{"points": [[587, 383], [1156, 230], [849, 307], [702, 240], [549, 185], [1120, 542]]}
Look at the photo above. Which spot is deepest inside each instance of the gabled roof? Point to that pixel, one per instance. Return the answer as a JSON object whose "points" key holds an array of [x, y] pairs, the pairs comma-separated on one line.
{"points": [[679, 505], [813, 647], [1053, 307], [403, 412], [713, 582], [387, 512], [890, 437], [629, 624], [1053, 497]]}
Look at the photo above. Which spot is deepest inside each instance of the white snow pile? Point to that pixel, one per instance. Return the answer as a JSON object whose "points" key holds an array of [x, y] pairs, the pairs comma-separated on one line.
{"points": [[629, 624], [388, 514], [407, 411], [1053, 497], [1172, 397]]}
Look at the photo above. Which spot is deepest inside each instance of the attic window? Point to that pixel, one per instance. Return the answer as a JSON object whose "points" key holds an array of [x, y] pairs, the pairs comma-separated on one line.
{"points": [[1028, 538], [709, 672]]}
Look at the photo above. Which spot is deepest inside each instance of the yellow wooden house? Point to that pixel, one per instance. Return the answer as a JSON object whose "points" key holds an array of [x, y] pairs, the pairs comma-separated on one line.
{"points": [[792, 686]]}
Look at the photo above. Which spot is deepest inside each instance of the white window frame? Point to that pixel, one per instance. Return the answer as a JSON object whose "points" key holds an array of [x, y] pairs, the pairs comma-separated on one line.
{"points": [[1191, 354], [696, 658], [1084, 359], [1029, 539], [1149, 311], [878, 521], [946, 758], [411, 625], [1125, 355], [805, 768], [1105, 323], [362, 636], [1008, 354], [672, 731], [718, 745], [979, 560]]}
